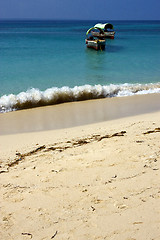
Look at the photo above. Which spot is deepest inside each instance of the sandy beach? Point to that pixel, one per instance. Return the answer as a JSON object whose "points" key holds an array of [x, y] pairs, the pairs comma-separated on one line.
{"points": [[91, 182]]}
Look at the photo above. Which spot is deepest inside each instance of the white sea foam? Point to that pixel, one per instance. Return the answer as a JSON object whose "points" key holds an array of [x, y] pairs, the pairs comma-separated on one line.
{"points": [[34, 97]]}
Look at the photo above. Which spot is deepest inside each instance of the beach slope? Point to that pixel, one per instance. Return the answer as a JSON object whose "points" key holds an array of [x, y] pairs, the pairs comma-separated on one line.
{"points": [[99, 181]]}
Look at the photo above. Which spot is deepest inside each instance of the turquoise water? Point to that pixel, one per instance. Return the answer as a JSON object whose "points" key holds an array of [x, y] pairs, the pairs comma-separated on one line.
{"points": [[46, 62]]}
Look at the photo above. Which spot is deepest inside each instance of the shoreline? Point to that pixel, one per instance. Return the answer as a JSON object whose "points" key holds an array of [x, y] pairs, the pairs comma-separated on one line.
{"points": [[74, 114]]}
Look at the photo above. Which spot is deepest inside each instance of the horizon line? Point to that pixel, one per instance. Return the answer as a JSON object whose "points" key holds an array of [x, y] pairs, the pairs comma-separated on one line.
{"points": [[54, 19]]}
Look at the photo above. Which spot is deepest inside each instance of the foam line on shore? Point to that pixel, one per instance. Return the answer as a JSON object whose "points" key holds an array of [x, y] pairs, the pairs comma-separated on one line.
{"points": [[36, 98]]}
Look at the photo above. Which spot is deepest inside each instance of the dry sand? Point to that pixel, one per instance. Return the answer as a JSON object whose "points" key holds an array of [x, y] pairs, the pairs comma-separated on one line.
{"points": [[95, 182]]}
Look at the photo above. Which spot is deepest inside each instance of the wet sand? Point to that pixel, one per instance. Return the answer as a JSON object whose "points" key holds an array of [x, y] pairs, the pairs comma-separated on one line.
{"points": [[77, 113], [97, 181]]}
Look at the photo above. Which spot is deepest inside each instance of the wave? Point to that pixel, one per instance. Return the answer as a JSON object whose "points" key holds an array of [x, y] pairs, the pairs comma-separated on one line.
{"points": [[36, 98]]}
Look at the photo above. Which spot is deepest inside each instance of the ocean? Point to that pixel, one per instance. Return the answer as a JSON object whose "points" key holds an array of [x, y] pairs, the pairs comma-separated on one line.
{"points": [[47, 62]]}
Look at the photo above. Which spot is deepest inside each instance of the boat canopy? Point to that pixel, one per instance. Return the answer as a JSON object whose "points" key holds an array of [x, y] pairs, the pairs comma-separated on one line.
{"points": [[104, 26], [93, 28]]}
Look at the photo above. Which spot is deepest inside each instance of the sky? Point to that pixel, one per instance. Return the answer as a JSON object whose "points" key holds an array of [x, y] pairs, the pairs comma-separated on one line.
{"points": [[80, 9]]}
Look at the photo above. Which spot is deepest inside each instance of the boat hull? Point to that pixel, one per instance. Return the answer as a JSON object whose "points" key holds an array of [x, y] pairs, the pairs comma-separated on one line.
{"points": [[96, 44], [105, 35]]}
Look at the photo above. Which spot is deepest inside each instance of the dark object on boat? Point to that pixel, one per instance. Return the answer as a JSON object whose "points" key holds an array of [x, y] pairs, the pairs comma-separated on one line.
{"points": [[107, 29], [98, 42]]}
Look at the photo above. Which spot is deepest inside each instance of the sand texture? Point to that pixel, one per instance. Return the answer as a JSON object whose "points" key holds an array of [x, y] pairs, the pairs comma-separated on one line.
{"points": [[95, 182]]}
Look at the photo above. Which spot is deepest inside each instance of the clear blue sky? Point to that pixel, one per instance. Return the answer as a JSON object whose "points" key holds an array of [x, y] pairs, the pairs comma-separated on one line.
{"points": [[80, 9]]}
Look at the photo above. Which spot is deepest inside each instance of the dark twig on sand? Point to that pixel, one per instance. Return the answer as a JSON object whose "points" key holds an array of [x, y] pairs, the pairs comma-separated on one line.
{"points": [[152, 131], [54, 235], [29, 234]]}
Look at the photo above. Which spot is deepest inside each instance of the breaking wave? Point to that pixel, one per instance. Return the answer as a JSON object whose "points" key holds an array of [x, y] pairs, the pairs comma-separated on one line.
{"points": [[36, 98]]}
